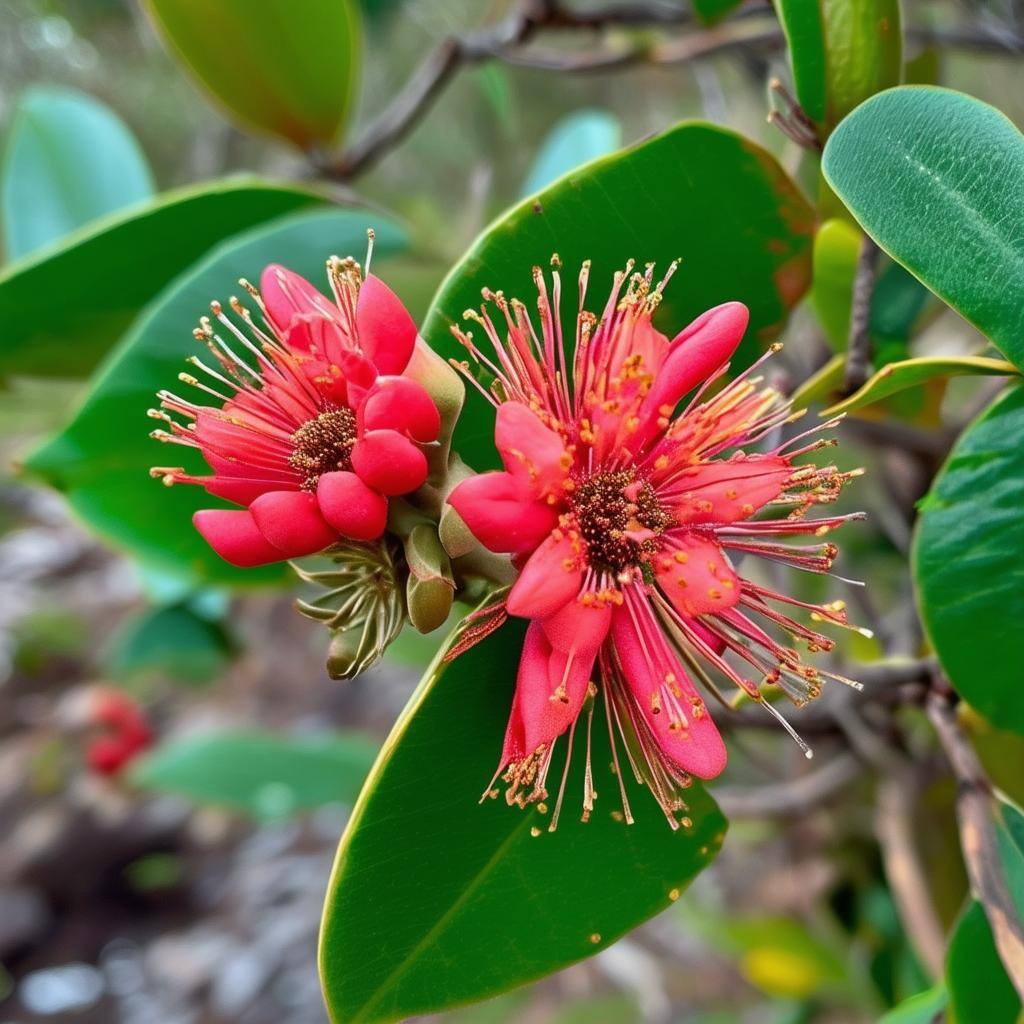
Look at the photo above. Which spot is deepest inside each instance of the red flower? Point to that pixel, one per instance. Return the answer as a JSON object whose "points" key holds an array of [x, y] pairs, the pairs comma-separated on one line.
{"points": [[316, 426], [125, 733], [625, 518]]}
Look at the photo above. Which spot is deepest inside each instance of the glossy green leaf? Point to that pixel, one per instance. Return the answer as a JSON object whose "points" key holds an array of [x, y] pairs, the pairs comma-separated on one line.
{"points": [[979, 990], [968, 558], [841, 53], [287, 71], [101, 459], [64, 307], [260, 774], [68, 160], [176, 643], [822, 384], [576, 139], [702, 193], [710, 11], [911, 373], [937, 179], [438, 900], [924, 1008]]}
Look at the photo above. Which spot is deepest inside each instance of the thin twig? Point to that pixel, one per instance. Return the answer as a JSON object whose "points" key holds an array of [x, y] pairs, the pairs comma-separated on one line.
{"points": [[976, 808], [796, 797], [858, 352], [897, 796]]}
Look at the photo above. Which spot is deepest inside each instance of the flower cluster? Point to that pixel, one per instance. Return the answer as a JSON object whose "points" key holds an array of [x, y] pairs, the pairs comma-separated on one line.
{"points": [[317, 421], [122, 732], [627, 517]]}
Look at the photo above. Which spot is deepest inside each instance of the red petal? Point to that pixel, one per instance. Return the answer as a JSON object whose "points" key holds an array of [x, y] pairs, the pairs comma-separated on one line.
{"points": [[398, 403], [389, 462], [291, 521], [351, 507], [533, 453], [387, 333], [500, 515], [240, 490], [725, 492], [286, 295], [550, 579], [695, 354], [234, 536], [578, 627], [550, 690], [695, 575], [652, 671]]}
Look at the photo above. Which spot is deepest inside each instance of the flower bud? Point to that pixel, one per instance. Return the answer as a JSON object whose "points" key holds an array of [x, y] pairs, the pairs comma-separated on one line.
{"points": [[430, 588]]}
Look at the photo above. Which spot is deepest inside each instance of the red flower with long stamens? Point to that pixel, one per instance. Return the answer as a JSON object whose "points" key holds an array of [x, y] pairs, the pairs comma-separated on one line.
{"points": [[317, 426], [625, 517]]}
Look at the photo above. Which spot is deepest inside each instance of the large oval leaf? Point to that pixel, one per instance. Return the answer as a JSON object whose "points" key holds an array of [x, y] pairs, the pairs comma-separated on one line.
{"points": [[968, 558], [286, 70], [65, 306], [437, 900], [841, 52], [101, 460], [259, 773], [937, 179], [702, 193], [68, 160]]}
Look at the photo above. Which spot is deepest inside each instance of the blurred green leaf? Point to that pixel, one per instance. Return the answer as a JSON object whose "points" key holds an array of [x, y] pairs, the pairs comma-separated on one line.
{"points": [[937, 179], [822, 384], [173, 642], [841, 53], [979, 990], [836, 250], [260, 774], [910, 373], [576, 139], [101, 460], [967, 559], [68, 160], [433, 891], [699, 192], [924, 1008], [284, 70], [710, 11], [63, 308]]}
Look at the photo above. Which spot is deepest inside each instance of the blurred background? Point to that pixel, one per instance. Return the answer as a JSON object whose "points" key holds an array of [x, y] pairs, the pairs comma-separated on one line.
{"points": [[181, 895]]}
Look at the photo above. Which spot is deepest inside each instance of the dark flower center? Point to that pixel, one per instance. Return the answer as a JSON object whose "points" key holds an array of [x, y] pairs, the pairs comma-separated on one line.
{"points": [[611, 506], [323, 445]]}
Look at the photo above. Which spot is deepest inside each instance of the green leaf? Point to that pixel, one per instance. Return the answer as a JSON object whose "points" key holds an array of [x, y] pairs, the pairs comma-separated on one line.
{"points": [[101, 459], [924, 1008], [937, 179], [68, 160], [576, 139], [284, 71], [259, 774], [64, 307], [841, 53], [911, 373], [176, 643], [702, 193], [979, 989], [822, 384], [437, 900], [710, 11], [969, 562], [836, 250]]}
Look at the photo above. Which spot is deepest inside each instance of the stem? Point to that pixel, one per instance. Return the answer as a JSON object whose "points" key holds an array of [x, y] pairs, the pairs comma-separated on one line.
{"points": [[858, 353], [976, 809]]}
